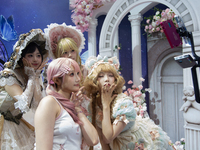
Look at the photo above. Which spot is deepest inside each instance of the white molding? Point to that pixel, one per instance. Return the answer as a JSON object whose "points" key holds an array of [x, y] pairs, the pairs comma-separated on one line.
{"points": [[118, 13]]}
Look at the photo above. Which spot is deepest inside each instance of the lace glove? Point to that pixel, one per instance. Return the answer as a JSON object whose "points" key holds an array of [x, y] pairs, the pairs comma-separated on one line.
{"points": [[25, 98]]}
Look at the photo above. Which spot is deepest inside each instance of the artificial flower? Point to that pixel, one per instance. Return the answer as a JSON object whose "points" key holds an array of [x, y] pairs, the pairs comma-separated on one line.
{"points": [[153, 22], [83, 10], [138, 97]]}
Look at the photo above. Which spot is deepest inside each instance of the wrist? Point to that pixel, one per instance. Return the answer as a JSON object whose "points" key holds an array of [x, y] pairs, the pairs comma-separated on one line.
{"points": [[106, 107], [78, 109]]}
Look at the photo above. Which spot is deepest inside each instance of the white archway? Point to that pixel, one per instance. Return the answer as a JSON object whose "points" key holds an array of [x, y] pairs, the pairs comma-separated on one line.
{"points": [[119, 9]]}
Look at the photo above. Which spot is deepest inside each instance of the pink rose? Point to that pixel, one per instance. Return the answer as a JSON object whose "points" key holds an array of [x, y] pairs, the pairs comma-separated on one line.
{"points": [[130, 82], [126, 93], [163, 14], [140, 87], [157, 29], [148, 20], [131, 92], [137, 94], [167, 10]]}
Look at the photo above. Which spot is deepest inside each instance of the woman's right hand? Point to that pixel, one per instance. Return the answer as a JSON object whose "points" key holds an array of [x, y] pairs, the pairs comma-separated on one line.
{"points": [[107, 94], [26, 63], [77, 97]]}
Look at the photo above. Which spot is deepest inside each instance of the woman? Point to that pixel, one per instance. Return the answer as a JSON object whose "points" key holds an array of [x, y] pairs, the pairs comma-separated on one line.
{"points": [[113, 112], [65, 41], [21, 90], [59, 120]]}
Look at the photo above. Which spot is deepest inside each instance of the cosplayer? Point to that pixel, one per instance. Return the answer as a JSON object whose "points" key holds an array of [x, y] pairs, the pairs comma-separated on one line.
{"points": [[21, 90], [65, 41], [59, 120], [113, 113]]}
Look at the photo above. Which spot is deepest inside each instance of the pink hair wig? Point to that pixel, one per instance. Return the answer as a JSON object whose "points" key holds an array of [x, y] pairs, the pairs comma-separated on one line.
{"points": [[58, 68]]}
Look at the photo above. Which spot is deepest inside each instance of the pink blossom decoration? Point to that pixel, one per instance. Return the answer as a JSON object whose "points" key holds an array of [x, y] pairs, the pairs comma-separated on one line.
{"points": [[153, 22], [130, 82], [83, 10]]}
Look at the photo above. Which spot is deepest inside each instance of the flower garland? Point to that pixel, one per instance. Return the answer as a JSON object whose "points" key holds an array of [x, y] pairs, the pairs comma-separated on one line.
{"points": [[83, 10], [153, 22], [138, 95]]}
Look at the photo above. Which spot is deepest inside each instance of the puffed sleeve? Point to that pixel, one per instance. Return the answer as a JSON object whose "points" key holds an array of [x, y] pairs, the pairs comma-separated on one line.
{"points": [[7, 77], [124, 111]]}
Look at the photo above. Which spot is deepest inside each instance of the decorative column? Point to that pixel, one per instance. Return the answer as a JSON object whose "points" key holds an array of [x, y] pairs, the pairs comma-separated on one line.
{"points": [[92, 38], [116, 42], [136, 47]]}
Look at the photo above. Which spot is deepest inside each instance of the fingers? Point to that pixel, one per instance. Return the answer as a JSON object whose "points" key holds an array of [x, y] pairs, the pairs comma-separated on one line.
{"points": [[80, 91], [43, 64], [26, 62], [72, 97], [108, 88], [115, 95]]}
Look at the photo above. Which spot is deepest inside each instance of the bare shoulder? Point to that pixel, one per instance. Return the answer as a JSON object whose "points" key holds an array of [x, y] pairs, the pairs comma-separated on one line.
{"points": [[48, 103]]}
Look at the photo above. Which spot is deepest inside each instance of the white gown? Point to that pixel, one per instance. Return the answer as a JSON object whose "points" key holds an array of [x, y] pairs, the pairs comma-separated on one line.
{"points": [[14, 136]]}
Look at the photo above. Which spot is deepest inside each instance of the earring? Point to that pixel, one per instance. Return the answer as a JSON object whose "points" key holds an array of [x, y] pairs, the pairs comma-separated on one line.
{"points": [[97, 95]]}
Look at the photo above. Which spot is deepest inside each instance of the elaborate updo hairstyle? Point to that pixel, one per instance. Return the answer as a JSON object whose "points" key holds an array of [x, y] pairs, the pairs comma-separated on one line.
{"points": [[59, 68]]}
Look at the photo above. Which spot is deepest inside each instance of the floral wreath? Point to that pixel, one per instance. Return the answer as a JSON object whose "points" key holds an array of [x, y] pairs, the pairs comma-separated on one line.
{"points": [[92, 62], [34, 35], [54, 32]]}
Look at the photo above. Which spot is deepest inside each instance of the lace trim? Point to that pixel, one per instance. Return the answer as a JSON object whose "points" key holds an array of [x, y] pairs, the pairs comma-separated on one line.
{"points": [[22, 103], [8, 79]]}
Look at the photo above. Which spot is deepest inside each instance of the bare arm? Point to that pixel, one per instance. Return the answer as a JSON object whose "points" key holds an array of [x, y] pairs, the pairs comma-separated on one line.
{"points": [[109, 131], [45, 117], [89, 132], [104, 145]]}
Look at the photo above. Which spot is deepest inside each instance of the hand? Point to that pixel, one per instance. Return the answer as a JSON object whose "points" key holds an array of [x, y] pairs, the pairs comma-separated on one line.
{"points": [[26, 63], [77, 97], [107, 94], [39, 70], [43, 64]]}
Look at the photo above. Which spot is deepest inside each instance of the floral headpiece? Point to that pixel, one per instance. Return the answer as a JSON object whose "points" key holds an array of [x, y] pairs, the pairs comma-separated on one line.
{"points": [[34, 35], [92, 62], [54, 32]]}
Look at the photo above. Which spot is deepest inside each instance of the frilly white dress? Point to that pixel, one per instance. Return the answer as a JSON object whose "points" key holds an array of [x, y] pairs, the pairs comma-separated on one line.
{"points": [[14, 136], [137, 128]]}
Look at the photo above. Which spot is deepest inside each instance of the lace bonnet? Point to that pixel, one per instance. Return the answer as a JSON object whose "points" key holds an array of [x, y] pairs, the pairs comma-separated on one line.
{"points": [[34, 35], [54, 32], [92, 62]]}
